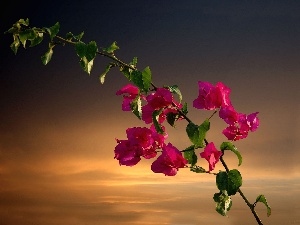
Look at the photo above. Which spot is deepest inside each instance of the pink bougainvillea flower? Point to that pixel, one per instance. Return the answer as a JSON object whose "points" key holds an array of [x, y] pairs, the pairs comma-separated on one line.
{"points": [[159, 99], [169, 161], [163, 99], [140, 136], [211, 154], [240, 128], [236, 132], [141, 142], [212, 97], [129, 93], [127, 154]]}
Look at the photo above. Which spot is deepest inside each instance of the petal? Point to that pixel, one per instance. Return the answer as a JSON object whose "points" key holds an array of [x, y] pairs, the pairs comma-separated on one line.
{"points": [[128, 89], [253, 121], [229, 115], [147, 112]]}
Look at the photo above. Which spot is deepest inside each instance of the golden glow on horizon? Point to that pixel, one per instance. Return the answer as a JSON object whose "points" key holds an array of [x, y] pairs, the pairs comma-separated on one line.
{"points": [[74, 162]]}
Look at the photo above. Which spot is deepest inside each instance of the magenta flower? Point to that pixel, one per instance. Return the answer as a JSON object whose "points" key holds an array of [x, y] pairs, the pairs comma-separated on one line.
{"points": [[127, 154], [169, 161], [211, 154], [212, 97], [236, 132], [142, 142], [140, 136], [163, 99], [130, 92], [241, 127]]}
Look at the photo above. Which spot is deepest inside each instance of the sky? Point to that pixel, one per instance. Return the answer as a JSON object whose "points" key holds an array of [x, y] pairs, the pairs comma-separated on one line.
{"points": [[59, 125]]}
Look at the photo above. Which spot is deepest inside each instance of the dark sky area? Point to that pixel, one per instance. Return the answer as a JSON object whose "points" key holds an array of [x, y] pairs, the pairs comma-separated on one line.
{"points": [[58, 124]]}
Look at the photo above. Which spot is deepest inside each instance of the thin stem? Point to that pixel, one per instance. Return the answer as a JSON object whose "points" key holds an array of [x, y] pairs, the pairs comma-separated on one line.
{"points": [[258, 220], [213, 114], [102, 53], [182, 114], [251, 206]]}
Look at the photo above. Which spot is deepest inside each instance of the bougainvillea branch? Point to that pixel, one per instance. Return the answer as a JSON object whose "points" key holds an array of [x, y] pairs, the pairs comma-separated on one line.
{"points": [[156, 106]]}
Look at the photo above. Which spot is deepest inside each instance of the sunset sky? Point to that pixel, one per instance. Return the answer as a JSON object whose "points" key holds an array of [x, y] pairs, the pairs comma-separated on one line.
{"points": [[59, 125]]}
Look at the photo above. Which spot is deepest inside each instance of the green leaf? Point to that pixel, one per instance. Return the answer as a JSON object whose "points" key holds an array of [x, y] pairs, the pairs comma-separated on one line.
{"points": [[79, 36], [184, 109], [223, 202], [230, 181], [91, 51], [134, 62], [126, 71], [15, 29], [113, 47], [155, 118], [136, 106], [87, 54], [11, 30], [203, 128], [231, 147], [193, 133], [48, 55], [37, 39], [262, 198], [16, 44], [103, 75], [53, 31], [69, 36], [24, 22], [171, 118], [190, 156], [140, 79], [197, 169], [137, 78], [147, 78], [197, 133], [174, 89], [80, 48], [25, 35], [234, 181], [222, 180], [86, 65], [88, 51]]}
